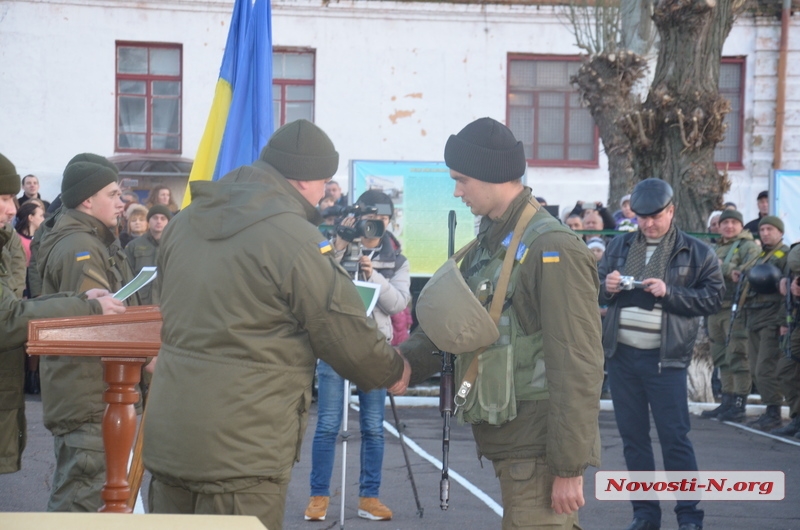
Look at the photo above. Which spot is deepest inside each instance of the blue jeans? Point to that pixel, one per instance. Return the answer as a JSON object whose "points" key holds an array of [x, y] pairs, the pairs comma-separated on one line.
{"points": [[330, 404], [637, 384]]}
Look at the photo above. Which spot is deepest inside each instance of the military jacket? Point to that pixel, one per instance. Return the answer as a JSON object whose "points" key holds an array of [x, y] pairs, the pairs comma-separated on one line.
{"points": [[12, 262], [556, 295], [142, 252], [763, 310], [14, 317], [735, 254], [79, 254], [251, 296]]}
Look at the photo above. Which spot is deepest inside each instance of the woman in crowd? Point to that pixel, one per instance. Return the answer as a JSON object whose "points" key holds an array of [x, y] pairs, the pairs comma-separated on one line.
{"points": [[161, 194], [136, 215], [29, 216]]}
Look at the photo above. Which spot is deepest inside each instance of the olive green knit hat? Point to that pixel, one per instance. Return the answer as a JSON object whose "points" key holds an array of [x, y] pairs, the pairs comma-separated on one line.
{"points": [[159, 208], [9, 178], [301, 151], [84, 179], [777, 222], [94, 159]]}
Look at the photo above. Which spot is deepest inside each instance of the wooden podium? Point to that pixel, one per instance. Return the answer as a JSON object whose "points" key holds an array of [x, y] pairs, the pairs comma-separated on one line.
{"points": [[123, 342]]}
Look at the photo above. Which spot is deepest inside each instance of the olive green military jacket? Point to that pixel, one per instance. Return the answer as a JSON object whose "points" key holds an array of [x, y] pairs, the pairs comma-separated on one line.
{"points": [[559, 296], [141, 253], [14, 317], [12, 262], [735, 254], [251, 296], [79, 254], [762, 310]]}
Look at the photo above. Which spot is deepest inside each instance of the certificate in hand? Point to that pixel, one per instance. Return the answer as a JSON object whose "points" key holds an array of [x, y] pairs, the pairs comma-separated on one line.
{"points": [[145, 276]]}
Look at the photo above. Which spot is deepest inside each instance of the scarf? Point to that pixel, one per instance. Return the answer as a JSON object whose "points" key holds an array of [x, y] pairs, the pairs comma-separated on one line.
{"points": [[657, 266]]}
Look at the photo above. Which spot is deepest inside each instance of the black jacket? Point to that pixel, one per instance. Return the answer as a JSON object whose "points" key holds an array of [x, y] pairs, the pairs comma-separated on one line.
{"points": [[695, 288]]}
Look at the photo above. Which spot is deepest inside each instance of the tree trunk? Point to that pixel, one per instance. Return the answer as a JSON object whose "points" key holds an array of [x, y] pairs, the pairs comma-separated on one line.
{"points": [[674, 133], [605, 82]]}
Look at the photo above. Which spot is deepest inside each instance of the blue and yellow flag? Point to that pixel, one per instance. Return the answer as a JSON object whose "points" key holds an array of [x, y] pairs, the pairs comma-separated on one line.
{"points": [[240, 121]]}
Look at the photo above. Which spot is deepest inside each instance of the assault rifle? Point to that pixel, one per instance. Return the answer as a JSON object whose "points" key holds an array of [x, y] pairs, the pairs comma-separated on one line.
{"points": [[446, 387], [734, 308]]}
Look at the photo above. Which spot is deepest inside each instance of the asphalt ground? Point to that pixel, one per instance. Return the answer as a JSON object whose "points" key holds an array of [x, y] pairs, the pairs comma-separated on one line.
{"points": [[718, 447]]}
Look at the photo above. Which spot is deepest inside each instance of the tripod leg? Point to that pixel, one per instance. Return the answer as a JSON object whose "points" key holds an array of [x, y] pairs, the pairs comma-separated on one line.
{"points": [[346, 405], [400, 428]]}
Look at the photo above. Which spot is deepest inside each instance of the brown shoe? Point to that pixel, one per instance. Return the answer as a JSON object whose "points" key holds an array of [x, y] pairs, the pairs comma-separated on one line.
{"points": [[373, 509], [317, 508]]}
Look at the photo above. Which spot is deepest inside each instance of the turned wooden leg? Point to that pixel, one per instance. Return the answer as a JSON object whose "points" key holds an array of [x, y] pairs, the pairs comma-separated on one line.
{"points": [[119, 428]]}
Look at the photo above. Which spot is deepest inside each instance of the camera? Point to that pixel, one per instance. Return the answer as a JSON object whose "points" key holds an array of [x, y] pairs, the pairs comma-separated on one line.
{"points": [[368, 228], [628, 283]]}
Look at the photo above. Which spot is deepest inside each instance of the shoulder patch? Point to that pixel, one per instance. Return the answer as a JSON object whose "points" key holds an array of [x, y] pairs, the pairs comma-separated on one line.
{"points": [[550, 257], [779, 254], [325, 246], [82, 256]]}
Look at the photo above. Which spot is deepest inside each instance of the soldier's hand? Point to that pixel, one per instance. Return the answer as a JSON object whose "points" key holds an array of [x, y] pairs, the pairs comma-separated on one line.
{"points": [[110, 305], [655, 287], [365, 264], [795, 289], [400, 387], [567, 494], [735, 275], [91, 294], [784, 330], [612, 282], [782, 287], [151, 366]]}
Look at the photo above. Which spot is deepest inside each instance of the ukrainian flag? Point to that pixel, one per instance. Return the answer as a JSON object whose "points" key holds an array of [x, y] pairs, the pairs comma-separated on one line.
{"points": [[240, 121]]}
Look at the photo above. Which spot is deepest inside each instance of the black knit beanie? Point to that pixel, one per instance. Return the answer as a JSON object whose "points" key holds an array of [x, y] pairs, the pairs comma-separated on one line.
{"points": [[82, 180], [301, 151], [486, 150], [9, 178], [159, 208]]}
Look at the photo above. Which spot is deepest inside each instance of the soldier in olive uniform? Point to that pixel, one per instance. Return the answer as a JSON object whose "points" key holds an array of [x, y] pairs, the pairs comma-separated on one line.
{"points": [[14, 317], [251, 296], [549, 324], [143, 251], [12, 257], [81, 252], [763, 318], [735, 251], [789, 366]]}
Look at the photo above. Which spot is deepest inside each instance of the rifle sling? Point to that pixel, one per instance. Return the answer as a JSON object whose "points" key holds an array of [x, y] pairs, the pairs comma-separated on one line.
{"points": [[496, 308]]}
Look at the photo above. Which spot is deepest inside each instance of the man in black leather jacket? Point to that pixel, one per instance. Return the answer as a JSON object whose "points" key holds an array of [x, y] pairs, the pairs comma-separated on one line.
{"points": [[649, 334]]}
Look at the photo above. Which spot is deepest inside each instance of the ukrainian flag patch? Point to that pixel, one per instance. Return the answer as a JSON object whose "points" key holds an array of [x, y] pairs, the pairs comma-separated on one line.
{"points": [[550, 257], [325, 246], [82, 256]]}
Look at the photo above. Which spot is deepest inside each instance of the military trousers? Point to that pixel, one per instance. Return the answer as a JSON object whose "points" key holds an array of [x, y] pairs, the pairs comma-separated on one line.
{"points": [[731, 360], [266, 500], [526, 486], [763, 350], [789, 380], [80, 470]]}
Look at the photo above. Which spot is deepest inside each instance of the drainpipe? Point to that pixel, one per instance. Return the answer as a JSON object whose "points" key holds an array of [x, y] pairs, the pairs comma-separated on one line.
{"points": [[780, 103]]}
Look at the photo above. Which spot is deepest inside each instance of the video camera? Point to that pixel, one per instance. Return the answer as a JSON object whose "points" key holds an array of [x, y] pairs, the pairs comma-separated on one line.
{"points": [[368, 228]]}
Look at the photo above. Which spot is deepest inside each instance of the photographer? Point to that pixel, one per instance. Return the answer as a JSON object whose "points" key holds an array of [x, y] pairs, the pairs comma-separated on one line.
{"points": [[376, 260]]}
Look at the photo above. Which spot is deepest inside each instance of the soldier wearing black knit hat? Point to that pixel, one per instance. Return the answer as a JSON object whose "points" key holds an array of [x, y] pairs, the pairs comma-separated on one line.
{"points": [[80, 252], [540, 462]]}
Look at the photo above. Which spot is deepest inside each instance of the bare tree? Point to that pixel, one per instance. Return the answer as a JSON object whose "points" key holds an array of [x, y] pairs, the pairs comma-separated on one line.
{"points": [[673, 133]]}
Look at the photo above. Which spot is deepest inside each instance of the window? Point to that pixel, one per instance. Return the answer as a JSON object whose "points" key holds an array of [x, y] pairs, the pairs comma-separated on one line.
{"points": [[731, 86], [292, 85], [545, 113], [149, 97]]}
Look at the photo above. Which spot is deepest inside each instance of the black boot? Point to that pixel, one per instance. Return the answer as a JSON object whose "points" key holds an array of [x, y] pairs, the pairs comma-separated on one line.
{"points": [[769, 420], [736, 410], [727, 399], [28, 382], [788, 430]]}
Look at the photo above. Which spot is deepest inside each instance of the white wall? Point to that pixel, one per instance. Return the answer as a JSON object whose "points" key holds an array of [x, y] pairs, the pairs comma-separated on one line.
{"points": [[393, 79]]}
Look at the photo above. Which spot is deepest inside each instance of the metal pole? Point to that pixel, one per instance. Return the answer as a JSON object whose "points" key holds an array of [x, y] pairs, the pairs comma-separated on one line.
{"points": [[344, 435], [400, 429]]}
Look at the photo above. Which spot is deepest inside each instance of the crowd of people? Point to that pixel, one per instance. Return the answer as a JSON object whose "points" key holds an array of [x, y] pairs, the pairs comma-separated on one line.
{"points": [[279, 305]]}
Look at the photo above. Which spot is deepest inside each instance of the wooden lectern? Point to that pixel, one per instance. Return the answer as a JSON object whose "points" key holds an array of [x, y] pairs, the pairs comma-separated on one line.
{"points": [[123, 342]]}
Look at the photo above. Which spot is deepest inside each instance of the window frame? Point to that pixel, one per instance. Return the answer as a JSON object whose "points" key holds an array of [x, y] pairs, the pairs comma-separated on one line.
{"points": [[148, 96], [534, 162], [742, 62], [283, 82]]}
